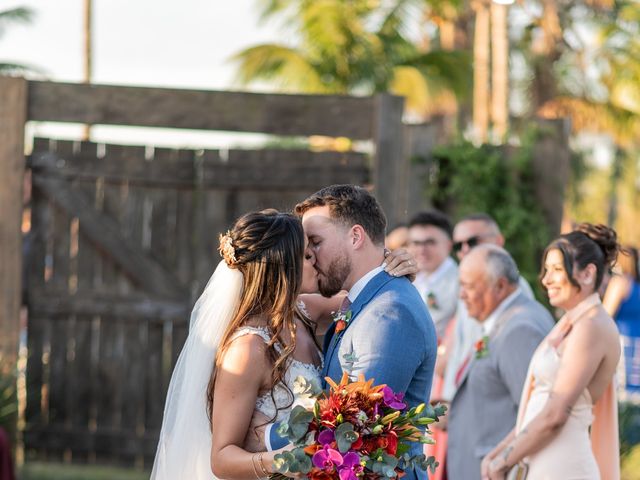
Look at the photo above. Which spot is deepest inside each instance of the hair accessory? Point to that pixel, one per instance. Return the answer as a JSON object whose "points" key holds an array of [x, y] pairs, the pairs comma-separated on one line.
{"points": [[226, 249]]}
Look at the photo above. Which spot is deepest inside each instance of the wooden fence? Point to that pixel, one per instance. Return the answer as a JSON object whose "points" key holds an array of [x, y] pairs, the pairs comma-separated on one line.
{"points": [[123, 239]]}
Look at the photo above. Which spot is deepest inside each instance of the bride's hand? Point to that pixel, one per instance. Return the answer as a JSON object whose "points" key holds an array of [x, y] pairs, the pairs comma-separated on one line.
{"points": [[401, 263], [254, 441]]}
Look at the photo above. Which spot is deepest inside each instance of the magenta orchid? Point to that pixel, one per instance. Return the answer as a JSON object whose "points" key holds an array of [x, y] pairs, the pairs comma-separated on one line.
{"points": [[393, 400], [350, 467], [327, 458]]}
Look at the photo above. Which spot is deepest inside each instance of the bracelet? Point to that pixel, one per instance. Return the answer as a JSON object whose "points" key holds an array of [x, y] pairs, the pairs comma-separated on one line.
{"points": [[264, 470], [253, 464]]}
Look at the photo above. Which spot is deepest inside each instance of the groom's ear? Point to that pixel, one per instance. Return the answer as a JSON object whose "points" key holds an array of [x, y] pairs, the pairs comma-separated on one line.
{"points": [[358, 236]]}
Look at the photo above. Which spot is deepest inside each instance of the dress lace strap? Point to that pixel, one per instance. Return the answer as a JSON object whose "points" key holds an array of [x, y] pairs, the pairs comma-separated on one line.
{"points": [[262, 332]]}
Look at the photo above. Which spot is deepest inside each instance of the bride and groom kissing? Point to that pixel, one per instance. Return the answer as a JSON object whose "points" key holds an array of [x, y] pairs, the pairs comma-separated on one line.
{"points": [[253, 332]]}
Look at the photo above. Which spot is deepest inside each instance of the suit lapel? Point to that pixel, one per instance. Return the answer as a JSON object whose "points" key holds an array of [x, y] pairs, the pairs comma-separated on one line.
{"points": [[369, 291], [497, 328]]}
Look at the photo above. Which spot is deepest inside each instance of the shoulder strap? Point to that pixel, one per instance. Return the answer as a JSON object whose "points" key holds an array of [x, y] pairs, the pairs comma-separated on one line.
{"points": [[262, 332]]}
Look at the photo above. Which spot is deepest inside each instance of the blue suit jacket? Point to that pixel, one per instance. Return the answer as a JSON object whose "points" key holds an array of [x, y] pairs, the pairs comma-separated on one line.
{"points": [[391, 339]]}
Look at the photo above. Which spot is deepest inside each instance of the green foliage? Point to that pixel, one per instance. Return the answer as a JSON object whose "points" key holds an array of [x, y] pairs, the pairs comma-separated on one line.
{"points": [[467, 179], [360, 47], [629, 427], [9, 17], [57, 471], [8, 403]]}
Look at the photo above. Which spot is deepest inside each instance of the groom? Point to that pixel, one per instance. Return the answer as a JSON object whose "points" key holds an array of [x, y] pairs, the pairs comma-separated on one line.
{"points": [[390, 336]]}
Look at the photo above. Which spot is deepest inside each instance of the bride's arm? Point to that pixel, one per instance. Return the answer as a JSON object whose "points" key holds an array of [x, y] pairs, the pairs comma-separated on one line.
{"points": [[243, 371], [580, 360]]}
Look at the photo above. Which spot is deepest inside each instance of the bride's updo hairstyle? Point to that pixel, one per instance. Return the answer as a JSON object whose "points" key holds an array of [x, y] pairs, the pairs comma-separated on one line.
{"points": [[268, 248], [588, 243]]}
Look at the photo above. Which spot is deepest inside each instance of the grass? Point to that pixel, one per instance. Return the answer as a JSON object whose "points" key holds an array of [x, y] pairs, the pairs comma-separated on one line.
{"points": [[56, 471]]}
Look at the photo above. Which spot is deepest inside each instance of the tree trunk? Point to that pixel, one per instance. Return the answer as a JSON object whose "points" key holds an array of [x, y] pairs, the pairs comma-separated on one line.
{"points": [[88, 60], [500, 71], [546, 53], [481, 88]]}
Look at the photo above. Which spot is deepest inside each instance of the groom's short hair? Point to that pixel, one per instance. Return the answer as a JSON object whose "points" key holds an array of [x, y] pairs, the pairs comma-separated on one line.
{"points": [[350, 205]]}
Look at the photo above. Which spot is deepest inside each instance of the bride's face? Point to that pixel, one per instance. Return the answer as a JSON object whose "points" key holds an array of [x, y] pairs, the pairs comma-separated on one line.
{"points": [[309, 273]]}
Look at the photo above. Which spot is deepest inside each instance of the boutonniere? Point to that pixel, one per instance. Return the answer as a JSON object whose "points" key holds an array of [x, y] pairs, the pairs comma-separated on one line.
{"points": [[482, 347], [432, 302], [341, 319]]}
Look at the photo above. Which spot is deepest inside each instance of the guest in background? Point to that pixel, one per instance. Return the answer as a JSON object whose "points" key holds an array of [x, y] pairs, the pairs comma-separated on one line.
{"points": [[470, 231], [490, 380], [437, 279], [437, 282], [568, 420], [622, 302], [397, 238]]}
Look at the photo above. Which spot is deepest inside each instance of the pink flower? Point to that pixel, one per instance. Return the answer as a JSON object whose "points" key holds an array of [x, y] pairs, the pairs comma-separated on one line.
{"points": [[327, 458], [350, 467], [326, 437], [393, 400]]}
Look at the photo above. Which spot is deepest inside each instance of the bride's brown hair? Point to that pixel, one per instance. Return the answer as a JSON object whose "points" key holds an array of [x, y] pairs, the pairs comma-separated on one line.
{"points": [[268, 248]]}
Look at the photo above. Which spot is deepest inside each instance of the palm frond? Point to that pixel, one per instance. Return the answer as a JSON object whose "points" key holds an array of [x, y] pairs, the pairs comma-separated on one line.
{"points": [[448, 68], [15, 15], [279, 65]]}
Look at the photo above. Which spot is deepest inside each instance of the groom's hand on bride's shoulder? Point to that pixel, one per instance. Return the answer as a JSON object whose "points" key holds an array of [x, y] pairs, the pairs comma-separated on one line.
{"points": [[254, 441]]}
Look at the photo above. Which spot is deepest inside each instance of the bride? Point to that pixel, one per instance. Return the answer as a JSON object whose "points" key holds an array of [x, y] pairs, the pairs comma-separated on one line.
{"points": [[250, 326]]}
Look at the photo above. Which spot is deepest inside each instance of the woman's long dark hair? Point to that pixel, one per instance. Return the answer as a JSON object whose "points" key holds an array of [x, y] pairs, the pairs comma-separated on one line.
{"points": [[268, 248]]}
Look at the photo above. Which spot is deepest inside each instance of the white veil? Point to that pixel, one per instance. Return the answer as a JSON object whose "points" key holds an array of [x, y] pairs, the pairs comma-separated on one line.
{"points": [[184, 448]]}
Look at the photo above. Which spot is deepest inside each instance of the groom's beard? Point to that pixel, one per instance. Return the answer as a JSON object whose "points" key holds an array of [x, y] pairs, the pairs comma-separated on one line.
{"points": [[332, 281]]}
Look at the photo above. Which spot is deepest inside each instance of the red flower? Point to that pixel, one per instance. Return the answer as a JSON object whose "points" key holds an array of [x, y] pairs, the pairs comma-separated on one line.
{"points": [[317, 474], [340, 326], [392, 443]]}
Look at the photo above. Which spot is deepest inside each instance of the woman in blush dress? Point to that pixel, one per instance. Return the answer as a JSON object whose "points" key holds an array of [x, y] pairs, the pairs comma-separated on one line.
{"points": [[567, 420]]}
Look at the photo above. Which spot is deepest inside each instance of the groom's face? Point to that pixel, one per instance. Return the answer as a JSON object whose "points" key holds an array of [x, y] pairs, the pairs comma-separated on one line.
{"points": [[329, 241]]}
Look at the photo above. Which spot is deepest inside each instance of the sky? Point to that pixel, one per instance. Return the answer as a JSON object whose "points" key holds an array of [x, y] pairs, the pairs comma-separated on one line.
{"points": [[167, 43]]}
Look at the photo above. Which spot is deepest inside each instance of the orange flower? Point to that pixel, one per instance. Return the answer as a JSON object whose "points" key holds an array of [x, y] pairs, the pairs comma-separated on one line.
{"points": [[340, 326]]}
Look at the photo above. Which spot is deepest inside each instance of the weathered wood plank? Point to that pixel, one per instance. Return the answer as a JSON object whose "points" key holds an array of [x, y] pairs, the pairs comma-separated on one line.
{"points": [[155, 391], [130, 307], [13, 114], [256, 169], [104, 231], [40, 226], [111, 440], [58, 373], [110, 373], [198, 109], [133, 382], [390, 167]]}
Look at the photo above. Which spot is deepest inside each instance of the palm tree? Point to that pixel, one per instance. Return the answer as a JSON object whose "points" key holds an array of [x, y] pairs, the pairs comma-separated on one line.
{"points": [[8, 17], [354, 47]]}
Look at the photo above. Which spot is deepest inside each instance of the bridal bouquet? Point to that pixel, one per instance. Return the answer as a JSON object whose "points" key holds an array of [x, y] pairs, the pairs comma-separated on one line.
{"points": [[356, 431]]}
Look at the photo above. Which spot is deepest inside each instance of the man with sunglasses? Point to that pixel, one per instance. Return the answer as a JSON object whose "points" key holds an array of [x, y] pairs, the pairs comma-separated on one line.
{"points": [[437, 278]]}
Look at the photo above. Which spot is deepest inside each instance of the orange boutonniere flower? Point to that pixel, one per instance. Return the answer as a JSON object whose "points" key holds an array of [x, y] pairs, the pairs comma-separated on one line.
{"points": [[342, 319], [482, 347]]}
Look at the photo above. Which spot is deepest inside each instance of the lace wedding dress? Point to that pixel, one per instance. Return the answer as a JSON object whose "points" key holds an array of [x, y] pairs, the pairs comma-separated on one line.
{"points": [[279, 405]]}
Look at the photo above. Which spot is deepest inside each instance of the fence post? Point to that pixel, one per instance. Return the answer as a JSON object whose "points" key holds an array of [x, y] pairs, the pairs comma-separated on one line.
{"points": [[390, 166], [13, 113], [551, 159]]}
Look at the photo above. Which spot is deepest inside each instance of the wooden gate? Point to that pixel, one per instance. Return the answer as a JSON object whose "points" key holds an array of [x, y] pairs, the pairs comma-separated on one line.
{"points": [[124, 240]]}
